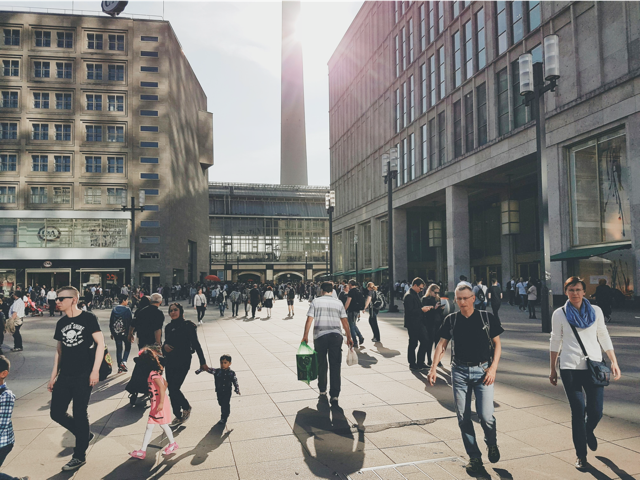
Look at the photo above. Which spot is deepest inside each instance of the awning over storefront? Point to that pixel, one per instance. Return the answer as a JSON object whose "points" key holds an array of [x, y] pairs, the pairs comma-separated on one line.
{"points": [[380, 269], [581, 253]]}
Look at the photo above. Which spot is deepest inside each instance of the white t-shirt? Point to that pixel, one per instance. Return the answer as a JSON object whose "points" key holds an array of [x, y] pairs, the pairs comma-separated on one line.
{"points": [[52, 295], [268, 295]]}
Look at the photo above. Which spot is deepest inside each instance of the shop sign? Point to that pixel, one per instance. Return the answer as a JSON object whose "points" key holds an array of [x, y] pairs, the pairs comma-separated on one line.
{"points": [[50, 234], [47, 264]]}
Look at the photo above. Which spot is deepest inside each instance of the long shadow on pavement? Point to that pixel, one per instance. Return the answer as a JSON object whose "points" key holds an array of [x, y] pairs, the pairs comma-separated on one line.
{"points": [[441, 391], [385, 352]]}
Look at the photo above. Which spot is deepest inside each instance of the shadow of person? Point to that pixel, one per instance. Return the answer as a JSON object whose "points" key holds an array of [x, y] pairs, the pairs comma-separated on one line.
{"points": [[385, 352], [334, 447], [622, 475], [364, 359], [441, 391], [503, 474]]}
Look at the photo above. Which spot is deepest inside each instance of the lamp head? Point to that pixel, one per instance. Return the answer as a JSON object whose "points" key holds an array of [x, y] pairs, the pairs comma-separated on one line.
{"points": [[525, 64], [551, 57], [141, 198]]}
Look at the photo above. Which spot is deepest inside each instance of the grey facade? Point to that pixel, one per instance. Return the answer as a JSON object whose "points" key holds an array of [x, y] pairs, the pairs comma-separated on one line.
{"points": [[439, 80], [124, 111]]}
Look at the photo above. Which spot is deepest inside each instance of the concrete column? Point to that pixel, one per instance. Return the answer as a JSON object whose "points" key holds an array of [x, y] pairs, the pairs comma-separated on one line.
{"points": [[508, 253], [633, 153], [458, 260], [375, 243], [559, 238], [400, 270]]}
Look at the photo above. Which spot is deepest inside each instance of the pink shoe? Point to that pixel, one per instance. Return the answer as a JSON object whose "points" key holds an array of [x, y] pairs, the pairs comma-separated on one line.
{"points": [[139, 454], [169, 449]]}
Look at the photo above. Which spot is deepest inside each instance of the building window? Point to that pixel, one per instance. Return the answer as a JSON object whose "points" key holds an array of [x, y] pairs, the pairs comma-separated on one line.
{"points": [[115, 164], [149, 54], [94, 133], [38, 195], [457, 129], [149, 144], [94, 102], [63, 132], [149, 239], [62, 195], [40, 100], [62, 163], [11, 68], [432, 21], [468, 49], [64, 70], [152, 160], [116, 42], [7, 194], [481, 100], [411, 40], [149, 255], [412, 102], [455, 8], [423, 28], [502, 80], [93, 196], [412, 156], [423, 87], [400, 167], [39, 163], [65, 39], [11, 37], [148, 69], [404, 105], [432, 79], [440, 17], [148, 113], [152, 208], [442, 72], [8, 131], [404, 47], [384, 239], [442, 139], [43, 39], [149, 98], [457, 60], [93, 164], [149, 176], [115, 134], [151, 192], [150, 223], [534, 15], [41, 69], [116, 103], [468, 121], [397, 110], [148, 128], [94, 41], [8, 163], [9, 100], [519, 107], [114, 195], [405, 161], [94, 71], [63, 101], [116, 73], [502, 26], [517, 26], [145, 38], [149, 84], [40, 131]]}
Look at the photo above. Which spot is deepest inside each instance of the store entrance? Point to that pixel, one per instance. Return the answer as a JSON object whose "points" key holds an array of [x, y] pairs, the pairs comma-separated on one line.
{"points": [[150, 281], [486, 273], [50, 278]]}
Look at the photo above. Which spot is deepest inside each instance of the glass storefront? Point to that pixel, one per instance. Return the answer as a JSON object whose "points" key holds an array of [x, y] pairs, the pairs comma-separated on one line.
{"points": [[107, 279], [7, 281], [615, 267]]}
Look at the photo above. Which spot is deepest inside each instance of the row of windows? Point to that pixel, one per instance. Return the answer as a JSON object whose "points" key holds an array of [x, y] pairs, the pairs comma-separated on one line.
{"points": [[63, 101], [93, 164], [64, 39], [64, 71], [93, 133], [62, 195]]}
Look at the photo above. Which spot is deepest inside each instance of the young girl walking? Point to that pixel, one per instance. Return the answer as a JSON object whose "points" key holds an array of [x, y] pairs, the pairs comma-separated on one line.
{"points": [[160, 412]]}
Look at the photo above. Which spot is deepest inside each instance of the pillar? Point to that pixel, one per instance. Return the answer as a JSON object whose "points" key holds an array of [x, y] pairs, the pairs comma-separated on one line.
{"points": [[633, 153], [457, 213], [400, 270], [508, 253]]}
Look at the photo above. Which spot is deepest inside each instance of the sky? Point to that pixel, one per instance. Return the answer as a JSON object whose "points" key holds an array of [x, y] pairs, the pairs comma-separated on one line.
{"points": [[234, 49]]}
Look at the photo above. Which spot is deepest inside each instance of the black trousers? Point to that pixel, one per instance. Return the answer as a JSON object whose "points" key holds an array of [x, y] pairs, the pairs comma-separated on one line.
{"points": [[329, 347], [495, 307], [201, 309], [373, 323], [17, 337], [253, 309], [52, 308], [224, 400], [234, 309], [418, 333], [78, 390], [177, 370], [4, 451]]}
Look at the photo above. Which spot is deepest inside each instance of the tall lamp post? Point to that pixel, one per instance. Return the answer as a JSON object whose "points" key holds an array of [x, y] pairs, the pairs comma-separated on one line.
{"points": [[306, 268], [326, 260], [533, 87], [330, 204], [237, 266], [133, 209], [389, 173], [355, 242]]}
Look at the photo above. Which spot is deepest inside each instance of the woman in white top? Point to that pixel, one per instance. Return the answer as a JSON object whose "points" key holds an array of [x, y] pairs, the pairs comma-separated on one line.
{"points": [[267, 299], [576, 378], [532, 296], [200, 304]]}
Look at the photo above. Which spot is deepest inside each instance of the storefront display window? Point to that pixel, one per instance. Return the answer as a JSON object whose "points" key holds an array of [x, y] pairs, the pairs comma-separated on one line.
{"points": [[615, 267], [7, 281]]}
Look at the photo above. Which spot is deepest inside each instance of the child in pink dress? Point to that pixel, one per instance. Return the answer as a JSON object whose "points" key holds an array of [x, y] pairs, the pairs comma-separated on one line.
{"points": [[160, 412]]}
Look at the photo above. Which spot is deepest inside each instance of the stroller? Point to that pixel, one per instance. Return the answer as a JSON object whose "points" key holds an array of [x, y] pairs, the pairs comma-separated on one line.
{"points": [[32, 309]]}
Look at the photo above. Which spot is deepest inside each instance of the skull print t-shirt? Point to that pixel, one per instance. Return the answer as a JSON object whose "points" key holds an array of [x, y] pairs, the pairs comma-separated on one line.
{"points": [[78, 348]]}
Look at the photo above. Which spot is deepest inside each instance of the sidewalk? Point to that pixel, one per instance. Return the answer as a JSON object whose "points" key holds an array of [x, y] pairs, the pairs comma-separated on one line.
{"points": [[278, 428]]}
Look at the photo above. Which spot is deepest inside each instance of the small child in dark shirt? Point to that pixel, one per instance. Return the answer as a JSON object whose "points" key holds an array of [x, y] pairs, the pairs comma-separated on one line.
{"points": [[225, 378]]}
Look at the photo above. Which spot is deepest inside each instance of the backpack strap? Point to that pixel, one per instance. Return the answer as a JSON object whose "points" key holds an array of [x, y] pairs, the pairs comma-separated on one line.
{"points": [[485, 320], [453, 326]]}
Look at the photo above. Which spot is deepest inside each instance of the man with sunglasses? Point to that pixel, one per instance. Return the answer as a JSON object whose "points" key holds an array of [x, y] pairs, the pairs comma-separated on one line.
{"points": [[475, 353], [76, 368]]}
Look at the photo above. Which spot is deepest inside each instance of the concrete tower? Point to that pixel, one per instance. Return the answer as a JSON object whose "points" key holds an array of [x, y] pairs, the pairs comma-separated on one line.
{"points": [[293, 143]]}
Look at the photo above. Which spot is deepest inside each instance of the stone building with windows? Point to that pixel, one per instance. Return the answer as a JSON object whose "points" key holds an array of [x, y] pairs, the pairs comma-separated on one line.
{"points": [[93, 108], [268, 233], [440, 82]]}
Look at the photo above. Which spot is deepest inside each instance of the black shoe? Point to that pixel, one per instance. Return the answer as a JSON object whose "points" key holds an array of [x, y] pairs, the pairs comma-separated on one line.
{"points": [[494, 453], [422, 366], [592, 441], [223, 420], [440, 364], [361, 340], [581, 463], [414, 368], [73, 464], [132, 399], [475, 466]]}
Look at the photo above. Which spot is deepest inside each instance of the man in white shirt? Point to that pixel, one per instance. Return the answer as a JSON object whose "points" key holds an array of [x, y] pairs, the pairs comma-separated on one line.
{"points": [[51, 300], [521, 286], [124, 290], [16, 312]]}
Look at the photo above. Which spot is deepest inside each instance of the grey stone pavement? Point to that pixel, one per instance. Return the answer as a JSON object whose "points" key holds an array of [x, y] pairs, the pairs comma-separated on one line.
{"points": [[390, 424]]}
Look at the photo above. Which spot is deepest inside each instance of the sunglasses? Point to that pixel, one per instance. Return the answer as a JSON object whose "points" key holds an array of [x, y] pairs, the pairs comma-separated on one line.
{"points": [[59, 299]]}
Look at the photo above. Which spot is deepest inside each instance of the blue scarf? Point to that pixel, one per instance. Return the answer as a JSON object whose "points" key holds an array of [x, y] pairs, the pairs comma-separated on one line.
{"points": [[583, 318]]}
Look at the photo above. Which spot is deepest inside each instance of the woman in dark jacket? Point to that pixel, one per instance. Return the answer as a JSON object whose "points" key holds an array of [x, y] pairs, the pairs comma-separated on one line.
{"points": [[432, 318], [180, 341]]}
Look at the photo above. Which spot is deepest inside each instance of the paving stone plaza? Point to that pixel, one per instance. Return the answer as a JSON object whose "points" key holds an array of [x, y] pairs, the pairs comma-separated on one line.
{"points": [[390, 424]]}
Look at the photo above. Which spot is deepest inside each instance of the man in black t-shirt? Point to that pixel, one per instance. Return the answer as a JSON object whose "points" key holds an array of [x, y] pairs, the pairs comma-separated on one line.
{"points": [[291, 296], [254, 299], [76, 369], [475, 353], [355, 304], [147, 323]]}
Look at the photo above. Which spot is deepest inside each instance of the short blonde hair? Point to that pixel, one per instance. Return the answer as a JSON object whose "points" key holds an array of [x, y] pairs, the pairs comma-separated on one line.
{"points": [[464, 286], [372, 285], [69, 288]]}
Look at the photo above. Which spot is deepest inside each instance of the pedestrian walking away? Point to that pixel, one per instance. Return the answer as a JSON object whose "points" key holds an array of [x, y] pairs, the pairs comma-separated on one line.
{"points": [[76, 367], [254, 297], [236, 300], [579, 333], [51, 300], [414, 322], [370, 304], [521, 287], [432, 318], [225, 380], [267, 299], [329, 317], [290, 293], [475, 354], [354, 305], [494, 295], [532, 297], [119, 324], [159, 413]]}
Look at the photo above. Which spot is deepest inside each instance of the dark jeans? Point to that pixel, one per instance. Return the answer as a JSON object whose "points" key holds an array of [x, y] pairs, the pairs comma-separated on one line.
{"points": [[433, 332], [224, 400], [373, 322], [418, 333], [52, 308], [253, 309], [17, 337], [201, 309], [78, 390], [122, 341], [177, 370], [329, 345], [234, 309], [353, 327], [4, 451], [495, 307], [512, 297], [532, 308], [577, 386]]}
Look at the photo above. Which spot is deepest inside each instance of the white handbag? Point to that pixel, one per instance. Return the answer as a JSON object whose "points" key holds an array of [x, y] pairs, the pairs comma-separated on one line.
{"points": [[352, 357]]}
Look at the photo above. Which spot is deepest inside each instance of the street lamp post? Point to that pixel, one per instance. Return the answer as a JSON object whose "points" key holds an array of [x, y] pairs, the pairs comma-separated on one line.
{"points": [[237, 266], [306, 268], [326, 260], [133, 209], [533, 87], [355, 241], [330, 203], [389, 173]]}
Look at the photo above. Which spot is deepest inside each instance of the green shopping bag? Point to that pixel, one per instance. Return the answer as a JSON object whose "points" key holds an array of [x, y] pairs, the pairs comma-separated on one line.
{"points": [[307, 362]]}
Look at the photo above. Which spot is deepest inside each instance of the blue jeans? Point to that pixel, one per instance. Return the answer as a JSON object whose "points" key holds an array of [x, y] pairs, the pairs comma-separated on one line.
{"points": [[122, 342], [222, 306], [355, 331], [468, 380], [577, 386]]}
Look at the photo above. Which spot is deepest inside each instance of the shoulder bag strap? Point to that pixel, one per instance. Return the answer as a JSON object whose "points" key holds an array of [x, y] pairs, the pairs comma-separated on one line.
{"points": [[575, 332], [487, 327]]}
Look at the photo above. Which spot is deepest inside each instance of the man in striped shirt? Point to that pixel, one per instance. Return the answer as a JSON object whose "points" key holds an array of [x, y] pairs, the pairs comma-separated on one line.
{"points": [[330, 318]]}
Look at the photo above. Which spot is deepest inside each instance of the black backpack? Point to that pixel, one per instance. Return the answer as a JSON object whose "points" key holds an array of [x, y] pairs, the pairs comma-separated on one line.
{"points": [[378, 302], [480, 295]]}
